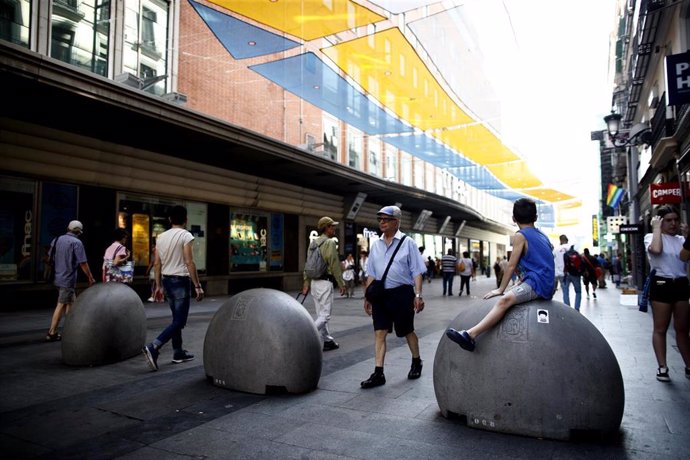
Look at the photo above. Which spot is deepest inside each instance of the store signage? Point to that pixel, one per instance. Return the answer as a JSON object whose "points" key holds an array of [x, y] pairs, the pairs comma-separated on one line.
{"points": [[665, 193], [678, 78], [630, 228]]}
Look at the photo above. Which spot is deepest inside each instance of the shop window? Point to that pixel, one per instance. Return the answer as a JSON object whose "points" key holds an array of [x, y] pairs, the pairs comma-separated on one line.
{"points": [[249, 236], [17, 221], [145, 218], [58, 208]]}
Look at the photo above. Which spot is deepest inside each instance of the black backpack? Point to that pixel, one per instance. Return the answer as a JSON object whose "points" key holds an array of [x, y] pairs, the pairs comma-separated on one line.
{"points": [[573, 262]]}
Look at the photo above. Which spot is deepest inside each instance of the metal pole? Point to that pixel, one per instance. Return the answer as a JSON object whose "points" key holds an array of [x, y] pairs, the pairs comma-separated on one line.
{"points": [[634, 211]]}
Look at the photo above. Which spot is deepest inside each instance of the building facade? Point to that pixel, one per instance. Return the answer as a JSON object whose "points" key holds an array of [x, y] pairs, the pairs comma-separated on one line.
{"points": [[647, 38], [120, 110]]}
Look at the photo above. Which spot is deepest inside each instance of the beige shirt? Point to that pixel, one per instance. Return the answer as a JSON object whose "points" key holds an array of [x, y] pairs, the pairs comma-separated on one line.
{"points": [[170, 246]]}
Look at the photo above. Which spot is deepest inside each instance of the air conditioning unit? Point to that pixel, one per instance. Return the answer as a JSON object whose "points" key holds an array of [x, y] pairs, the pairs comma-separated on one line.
{"points": [[177, 98]]}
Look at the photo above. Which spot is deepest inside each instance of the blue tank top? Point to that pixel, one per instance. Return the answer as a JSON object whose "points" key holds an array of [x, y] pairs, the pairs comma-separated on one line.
{"points": [[536, 265]]}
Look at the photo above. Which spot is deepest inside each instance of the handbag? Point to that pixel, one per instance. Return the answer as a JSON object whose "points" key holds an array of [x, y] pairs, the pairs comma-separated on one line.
{"points": [[376, 290], [118, 273], [643, 297], [49, 271]]}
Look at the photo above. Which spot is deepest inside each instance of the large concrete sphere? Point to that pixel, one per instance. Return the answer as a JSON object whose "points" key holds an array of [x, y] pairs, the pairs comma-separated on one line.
{"points": [[557, 379], [106, 324], [263, 341]]}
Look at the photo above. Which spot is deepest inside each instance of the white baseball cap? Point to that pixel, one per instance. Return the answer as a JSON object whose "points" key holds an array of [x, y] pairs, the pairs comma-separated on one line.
{"points": [[75, 225]]}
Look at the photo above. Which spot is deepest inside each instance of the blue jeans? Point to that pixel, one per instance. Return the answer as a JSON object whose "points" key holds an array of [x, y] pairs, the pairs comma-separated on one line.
{"points": [[178, 293], [566, 280], [448, 282]]}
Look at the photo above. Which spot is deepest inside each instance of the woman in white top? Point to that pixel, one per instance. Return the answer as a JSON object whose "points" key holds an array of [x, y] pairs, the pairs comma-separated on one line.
{"points": [[669, 290], [348, 266]]}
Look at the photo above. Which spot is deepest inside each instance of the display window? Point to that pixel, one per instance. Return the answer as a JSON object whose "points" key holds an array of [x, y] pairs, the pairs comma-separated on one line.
{"points": [[58, 208], [17, 221], [248, 242], [146, 217]]}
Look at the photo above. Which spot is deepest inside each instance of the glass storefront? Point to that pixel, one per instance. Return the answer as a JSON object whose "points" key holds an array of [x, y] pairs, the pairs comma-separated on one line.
{"points": [[256, 241], [146, 217], [17, 221]]}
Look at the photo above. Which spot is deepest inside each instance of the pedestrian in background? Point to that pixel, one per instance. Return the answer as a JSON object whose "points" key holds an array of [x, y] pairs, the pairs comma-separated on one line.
{"points": [[559, 267], [466, 269], [449, 265], [176, 274], [402, 297], [322, 288], [348, 266], [67, 256], [668, 253], [498, 272], [115, 259]]}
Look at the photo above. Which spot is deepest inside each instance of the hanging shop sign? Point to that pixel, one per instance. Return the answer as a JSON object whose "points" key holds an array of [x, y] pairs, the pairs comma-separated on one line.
{"points": [[678, 78], [665, 193]]}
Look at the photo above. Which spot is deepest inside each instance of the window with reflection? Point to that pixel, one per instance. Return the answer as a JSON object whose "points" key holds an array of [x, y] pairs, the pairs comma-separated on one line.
{"points": [[392, 164], [17, 221], [374, 156], [15, 21], [80, 33], [330, 137], [354, 148], [405, 168], [145, 43]]}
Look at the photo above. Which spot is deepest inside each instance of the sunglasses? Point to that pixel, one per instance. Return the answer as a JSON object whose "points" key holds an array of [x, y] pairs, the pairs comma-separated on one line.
{"points": [[384, 219]]}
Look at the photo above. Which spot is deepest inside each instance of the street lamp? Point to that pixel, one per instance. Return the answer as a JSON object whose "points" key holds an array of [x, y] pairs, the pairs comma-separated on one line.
{"points": [[639, 134]]}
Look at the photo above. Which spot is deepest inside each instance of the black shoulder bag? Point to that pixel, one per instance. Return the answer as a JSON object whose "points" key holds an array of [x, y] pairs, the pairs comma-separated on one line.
{"points": [[375, 292], [50, 268]]}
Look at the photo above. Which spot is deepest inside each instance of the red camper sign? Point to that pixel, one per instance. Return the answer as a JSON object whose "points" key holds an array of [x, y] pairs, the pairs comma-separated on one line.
{"points": [[666, 193]]}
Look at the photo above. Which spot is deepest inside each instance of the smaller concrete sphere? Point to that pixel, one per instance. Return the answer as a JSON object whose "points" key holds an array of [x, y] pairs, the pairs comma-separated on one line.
{"points": [[544, 371], [263, 341], [106, 324]]}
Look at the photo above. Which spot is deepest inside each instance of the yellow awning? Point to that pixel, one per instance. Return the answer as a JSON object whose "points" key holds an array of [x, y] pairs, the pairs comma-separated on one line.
{"points": [[306, 19]]}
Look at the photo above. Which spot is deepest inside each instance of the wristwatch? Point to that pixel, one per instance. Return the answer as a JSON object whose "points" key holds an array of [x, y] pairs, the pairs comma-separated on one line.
{"points": [[418, 296]]}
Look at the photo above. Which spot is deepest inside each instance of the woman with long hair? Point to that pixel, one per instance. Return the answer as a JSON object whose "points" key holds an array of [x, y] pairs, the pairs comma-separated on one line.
{"points": [[669, 290]]}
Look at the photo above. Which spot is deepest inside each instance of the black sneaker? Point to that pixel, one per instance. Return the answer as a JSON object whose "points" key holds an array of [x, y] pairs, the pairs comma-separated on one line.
{"points": [[330, 345], [462, 338], [415, 370], [662, 374], [594, 294], [687, 372], [182, 356], [151, 355], [374, 380]]}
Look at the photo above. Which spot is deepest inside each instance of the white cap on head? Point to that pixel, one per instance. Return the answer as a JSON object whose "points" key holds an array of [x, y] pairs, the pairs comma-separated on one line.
{"points": [[75, 225], [392, 211]]}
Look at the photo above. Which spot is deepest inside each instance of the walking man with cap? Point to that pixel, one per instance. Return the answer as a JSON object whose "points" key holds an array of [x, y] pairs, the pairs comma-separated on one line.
{"points": [[175, 274], [402, 297], [67, 255], [322, 287]]}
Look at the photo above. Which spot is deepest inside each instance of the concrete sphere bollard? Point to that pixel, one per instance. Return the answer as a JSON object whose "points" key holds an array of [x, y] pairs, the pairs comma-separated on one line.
{"points": [[263, 341], [543, 371], [106, 324]]}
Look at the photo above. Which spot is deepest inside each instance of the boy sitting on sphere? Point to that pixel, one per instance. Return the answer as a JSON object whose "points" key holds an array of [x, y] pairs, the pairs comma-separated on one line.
{"points": [[532, 258]]}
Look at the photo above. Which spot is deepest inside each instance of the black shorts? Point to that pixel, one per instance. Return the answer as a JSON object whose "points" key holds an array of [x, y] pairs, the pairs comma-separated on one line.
{"points": [[669, 290], [397, 309]]}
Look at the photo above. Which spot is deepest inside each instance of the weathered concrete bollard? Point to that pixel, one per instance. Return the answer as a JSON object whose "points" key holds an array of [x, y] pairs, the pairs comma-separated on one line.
{"points": [[106, 324], [263, 341], [543, 371]]}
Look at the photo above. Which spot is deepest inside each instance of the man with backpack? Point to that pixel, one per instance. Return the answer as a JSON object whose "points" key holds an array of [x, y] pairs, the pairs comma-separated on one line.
{"points": [[574, 269], [321, 269]]}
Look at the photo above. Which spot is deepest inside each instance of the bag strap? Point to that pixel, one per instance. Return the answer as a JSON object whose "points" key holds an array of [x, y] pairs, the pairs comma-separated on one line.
{"points": [[390, 262], [51, 257]]}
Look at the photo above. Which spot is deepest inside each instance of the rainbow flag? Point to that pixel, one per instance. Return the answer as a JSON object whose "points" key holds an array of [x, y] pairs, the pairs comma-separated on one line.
{"points": [[614, 196]]}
